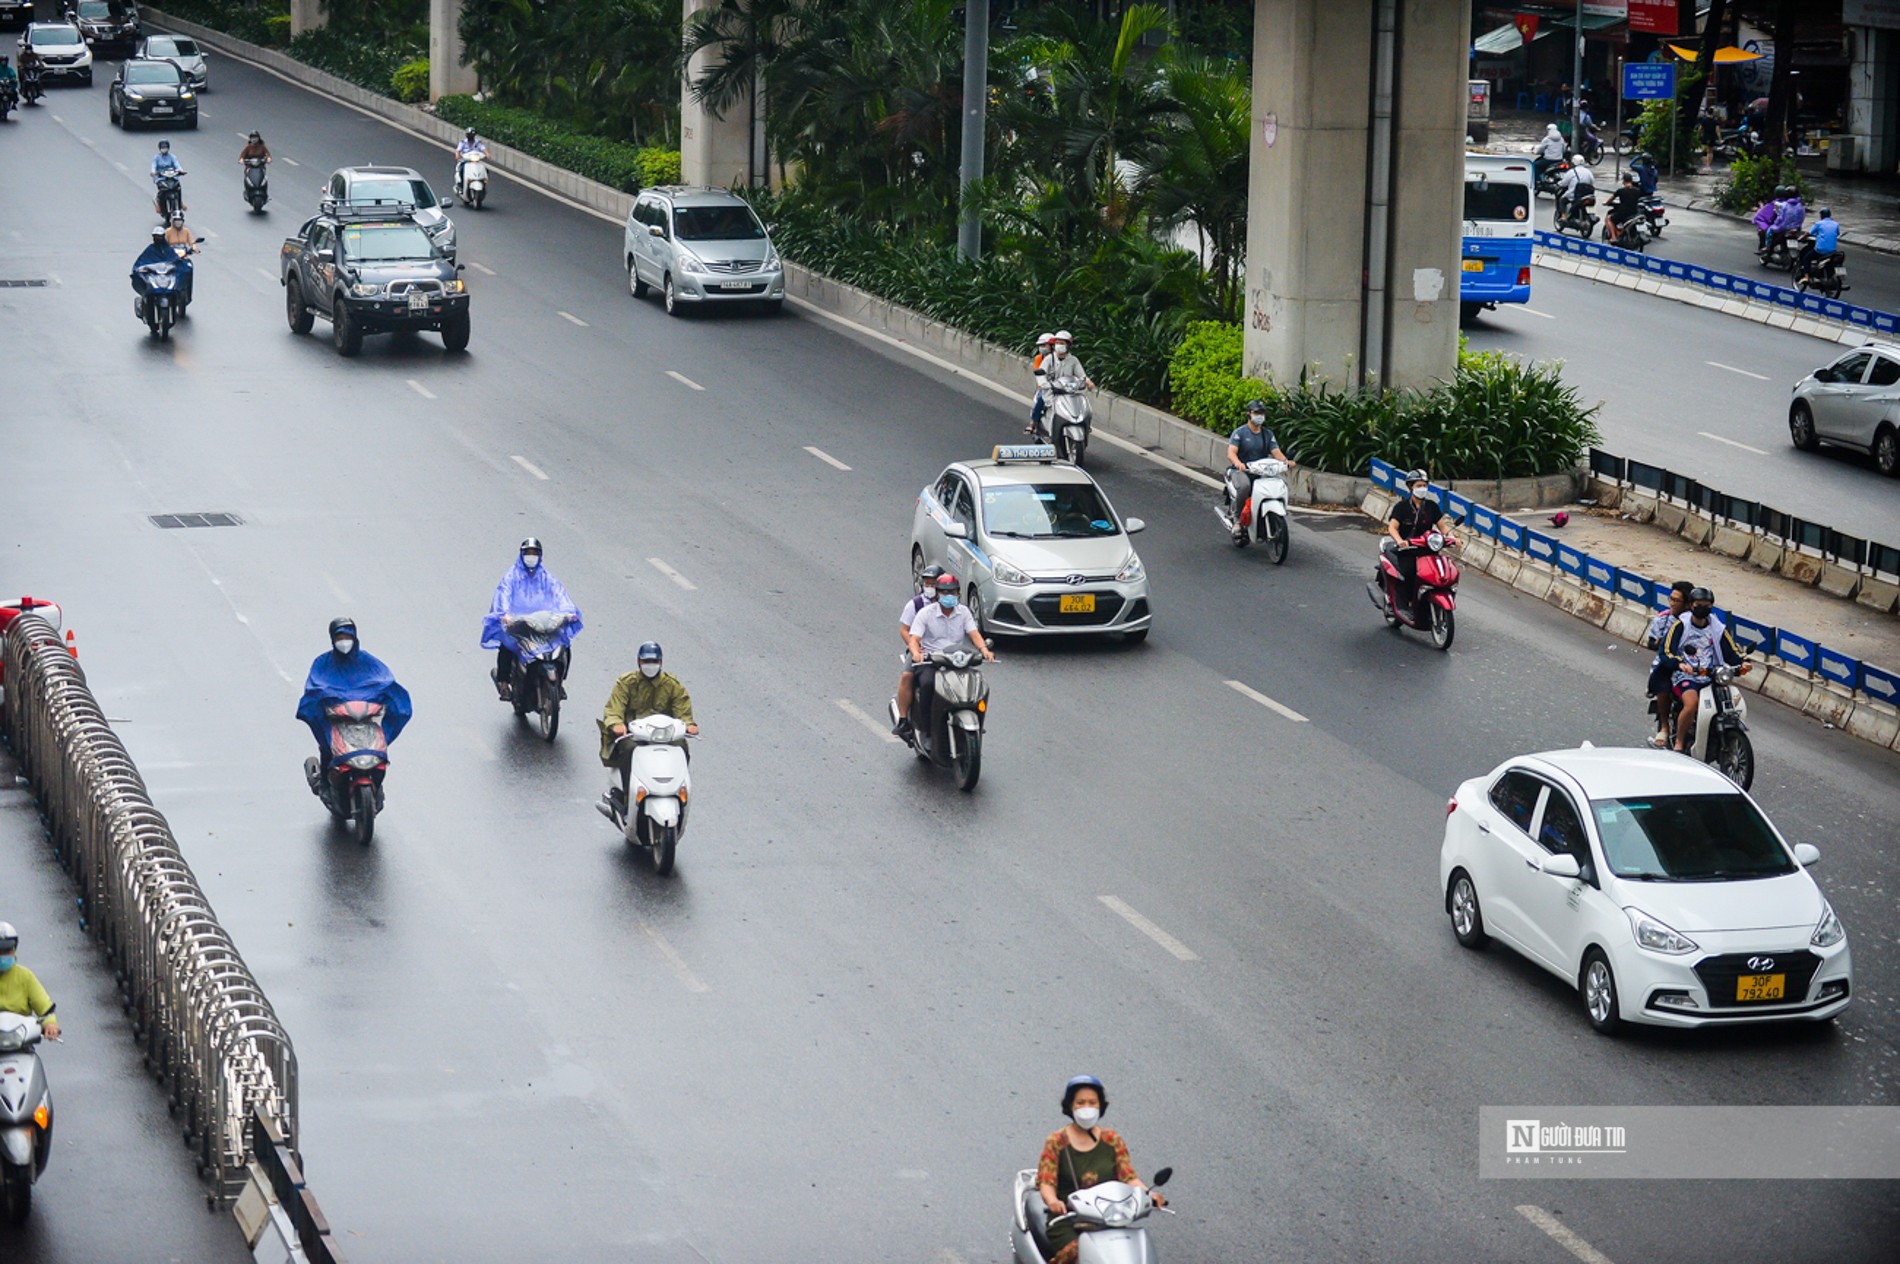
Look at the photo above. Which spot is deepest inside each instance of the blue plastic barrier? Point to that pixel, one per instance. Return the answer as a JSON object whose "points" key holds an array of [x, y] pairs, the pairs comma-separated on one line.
{"points": [[1881, 684], [1570, 561], [1633, 587], [1384, 475], [1539, 547], [1485, 521], [1510, 534], [1456, 507], [1837, 667], [1756, 638], [1599, 574], [1796, 651]]}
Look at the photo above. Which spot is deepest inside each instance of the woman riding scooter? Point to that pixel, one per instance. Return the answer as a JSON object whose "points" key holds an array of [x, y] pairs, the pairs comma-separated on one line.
{"points": [[1079, 1155]]}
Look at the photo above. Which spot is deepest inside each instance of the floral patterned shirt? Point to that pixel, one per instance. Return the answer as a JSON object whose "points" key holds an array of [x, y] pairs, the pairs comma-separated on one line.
{"points": [[1059, 1140]]}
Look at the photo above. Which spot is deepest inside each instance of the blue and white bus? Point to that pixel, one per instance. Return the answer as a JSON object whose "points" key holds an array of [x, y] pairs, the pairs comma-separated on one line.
{"points": [[1495, 266]]}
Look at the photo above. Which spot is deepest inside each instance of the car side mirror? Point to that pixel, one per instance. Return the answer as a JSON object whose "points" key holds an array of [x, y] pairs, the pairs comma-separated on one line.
{"points": [[1162, 1177], [326, 256], [1134, 526], [956, 531], [1562, 865], [654, 230], [448, 203], [1807, 855], [461, 267]]}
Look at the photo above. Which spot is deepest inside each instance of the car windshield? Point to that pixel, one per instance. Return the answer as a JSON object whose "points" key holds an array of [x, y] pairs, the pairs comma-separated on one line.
{"points": [[716, 223], [1689, 838], [386, 243], [166, 46], [392, 189], [95, 9], [155, 72], [56, 35], [1046, 511]]}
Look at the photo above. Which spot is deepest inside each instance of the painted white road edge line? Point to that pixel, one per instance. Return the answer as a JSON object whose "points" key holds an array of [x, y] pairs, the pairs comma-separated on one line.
{"points": [[1526, 307], [672, 574], [530, 466], [570, 316], [1278, 707], [1759, 377], [268, 274], [1562, 1235], [481, 268], [1177, 949], [827, 458], [1731, 443], [863, 717], [426, 393], [692, 981], [685, 381]]}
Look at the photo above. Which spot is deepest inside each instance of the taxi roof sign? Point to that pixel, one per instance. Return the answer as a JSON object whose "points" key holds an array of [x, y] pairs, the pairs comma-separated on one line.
{"points": [[1023, 452]]}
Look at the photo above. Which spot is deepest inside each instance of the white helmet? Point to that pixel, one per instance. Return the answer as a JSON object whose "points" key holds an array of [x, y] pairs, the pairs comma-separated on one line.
{"points": [[1576, 160], [1045, 340], [9, 937], [1063, 335]]}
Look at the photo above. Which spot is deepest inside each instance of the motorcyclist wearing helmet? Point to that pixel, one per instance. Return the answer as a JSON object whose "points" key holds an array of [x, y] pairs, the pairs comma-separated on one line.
{"points": [[1039, 370], [1080, 1155], [254, 147], [1578, 182], [1788, 219], [348, 673], [939, 627], [526, 588], [636, 695], [20, 989], [1550, 152], [1699, 641], [1646, 173], [1823, 239], [1419, 513], [469, 149], [163, 165], [1063, 368], [1764, 219], [925, 595], [9, 82], [159, 251], [1625, 206], [178, 236], [1250, 442]]}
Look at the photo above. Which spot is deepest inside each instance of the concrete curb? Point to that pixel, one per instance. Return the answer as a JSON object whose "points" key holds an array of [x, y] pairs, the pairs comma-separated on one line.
{"points": [[1695, 296]]}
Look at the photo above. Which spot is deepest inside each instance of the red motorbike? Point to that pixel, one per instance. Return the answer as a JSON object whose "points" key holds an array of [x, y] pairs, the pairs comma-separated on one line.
{"points": [[1436, 592], [352, 785]]}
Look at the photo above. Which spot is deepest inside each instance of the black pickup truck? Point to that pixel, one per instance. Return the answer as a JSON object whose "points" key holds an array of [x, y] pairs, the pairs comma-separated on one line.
{"points": [[371, 270]]}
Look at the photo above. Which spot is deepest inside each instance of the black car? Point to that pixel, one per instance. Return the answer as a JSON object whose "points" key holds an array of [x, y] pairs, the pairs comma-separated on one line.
{"points": [[149, 90], [368, 271], [16, 12], [111, 28]]}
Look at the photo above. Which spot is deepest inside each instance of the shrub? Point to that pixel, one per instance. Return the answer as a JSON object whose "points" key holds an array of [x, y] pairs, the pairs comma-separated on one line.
{"points": [[411, 80], [611, 162], [276, 30], [246, 19], [1206, 378], [658, 166], [370, 64], [1752, 181]]}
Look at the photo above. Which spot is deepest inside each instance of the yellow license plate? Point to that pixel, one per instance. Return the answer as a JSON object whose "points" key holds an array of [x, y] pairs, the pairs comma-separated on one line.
{"points": [[1474, 265], [1079, 603], [1761, 987]]}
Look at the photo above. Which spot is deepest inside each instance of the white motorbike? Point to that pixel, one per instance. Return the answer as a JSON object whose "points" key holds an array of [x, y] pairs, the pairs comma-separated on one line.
{"points": [[1721, 728], [1107, 1216], [1262, 520], [658, 788], [1070, 416], [471, 182], [26, 1115]]}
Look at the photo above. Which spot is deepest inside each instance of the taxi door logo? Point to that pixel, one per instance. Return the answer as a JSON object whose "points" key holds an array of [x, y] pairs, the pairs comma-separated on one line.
{"points": [[1521, 1136]]}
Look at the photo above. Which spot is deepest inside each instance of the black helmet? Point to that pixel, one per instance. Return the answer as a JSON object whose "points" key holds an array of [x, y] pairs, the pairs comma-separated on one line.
{"points": [[928, 576], [531, 545], [1827, 212], [256, 135], [1701, 594], [649, 652], [343, 625], [1256, 406], [1081, 1082]]}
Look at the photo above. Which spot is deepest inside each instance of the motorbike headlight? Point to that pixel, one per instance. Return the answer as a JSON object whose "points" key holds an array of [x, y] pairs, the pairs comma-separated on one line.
{"points": [[1007, 574], [363, 761], [1132, 570], [1119, 1213], [1828, 931], [363, 289], [1655, 936]]}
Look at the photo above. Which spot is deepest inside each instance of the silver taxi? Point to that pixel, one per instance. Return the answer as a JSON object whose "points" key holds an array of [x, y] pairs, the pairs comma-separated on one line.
{"points": [[1037, 544]]}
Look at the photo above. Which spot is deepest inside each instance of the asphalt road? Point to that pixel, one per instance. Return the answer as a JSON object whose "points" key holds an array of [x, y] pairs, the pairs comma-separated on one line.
{"points": [[843, 1024]]}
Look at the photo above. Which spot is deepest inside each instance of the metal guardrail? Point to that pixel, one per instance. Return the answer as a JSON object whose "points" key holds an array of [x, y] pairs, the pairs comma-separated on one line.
{"points": [[1796, 652], [203, 1024], [1723, 282]]}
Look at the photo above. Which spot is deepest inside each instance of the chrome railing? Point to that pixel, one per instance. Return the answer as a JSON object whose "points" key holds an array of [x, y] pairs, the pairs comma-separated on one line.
{"points": [[203, 1024]]}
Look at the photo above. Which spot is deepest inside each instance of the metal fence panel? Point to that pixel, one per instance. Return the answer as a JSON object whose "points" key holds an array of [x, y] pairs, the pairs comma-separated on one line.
{"points": [[1608, 464]]}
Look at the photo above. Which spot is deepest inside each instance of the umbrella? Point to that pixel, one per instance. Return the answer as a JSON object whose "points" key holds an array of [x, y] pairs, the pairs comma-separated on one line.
{"points": [[1723, 56]]}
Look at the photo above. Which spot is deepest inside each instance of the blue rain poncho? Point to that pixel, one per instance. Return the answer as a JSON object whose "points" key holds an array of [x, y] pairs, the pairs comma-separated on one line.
{"points": [[523, 591], [354, 677]]}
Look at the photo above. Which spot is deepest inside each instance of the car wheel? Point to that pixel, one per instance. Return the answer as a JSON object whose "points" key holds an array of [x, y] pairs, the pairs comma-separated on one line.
{"points": [[635, 286], [1467, 918], [455, 332], [671, 296], [1801, 427], [344, 332], [295, 309], [1597, 982], [1887, 451]]}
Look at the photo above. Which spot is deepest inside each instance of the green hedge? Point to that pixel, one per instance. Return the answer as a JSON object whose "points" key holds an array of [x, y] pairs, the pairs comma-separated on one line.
{"points": [[611, 162], [366, 63], [410, 82], [1205, 377], [246, 19]]}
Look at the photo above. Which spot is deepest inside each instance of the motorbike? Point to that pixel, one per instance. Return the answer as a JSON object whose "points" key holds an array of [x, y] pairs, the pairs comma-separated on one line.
{"points": [[659, 781], [1635, 235], [1591, 147], [1070, 418], [171, 194], [159, 294], [1653, 215], [32, 87], [1721, 727], [1262, 520], [256, 183], [953, 736], [1743, 140], [1436, 598], [26, 1115], [9, 98], [351, 785], [1826, 274], [1108, 1215], [1777, 255], [1576, 216], [471, 182], [1548, 182], [537, 666]]}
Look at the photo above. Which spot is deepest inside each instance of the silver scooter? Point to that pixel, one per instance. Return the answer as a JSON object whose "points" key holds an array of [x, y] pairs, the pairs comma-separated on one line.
{"points": [[26, 1115], [1108, 1216], [1071, 417], [1262, 520]]}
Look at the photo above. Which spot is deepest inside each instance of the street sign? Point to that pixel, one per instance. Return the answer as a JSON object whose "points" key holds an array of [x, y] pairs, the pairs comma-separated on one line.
{"points": [[1649, 81]]}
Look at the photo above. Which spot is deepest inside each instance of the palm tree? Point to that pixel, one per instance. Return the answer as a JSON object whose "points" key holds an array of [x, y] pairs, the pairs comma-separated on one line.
{"points": [[1201, 178]]}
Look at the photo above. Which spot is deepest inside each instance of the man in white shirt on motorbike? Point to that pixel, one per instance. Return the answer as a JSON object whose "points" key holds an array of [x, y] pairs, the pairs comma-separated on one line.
{"points": [[1550, 152], [1577, 182], [470, 149], [1062, 366], [938, 627]]}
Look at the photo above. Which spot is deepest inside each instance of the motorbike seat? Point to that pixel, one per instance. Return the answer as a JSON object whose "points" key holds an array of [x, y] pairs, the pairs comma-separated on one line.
{"points": [[1037, 1217]]}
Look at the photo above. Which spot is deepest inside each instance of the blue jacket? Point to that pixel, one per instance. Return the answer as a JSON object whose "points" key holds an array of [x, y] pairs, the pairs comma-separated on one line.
{"points": [[524, 591], [163, 164], [1792, 213], [157, 252], [355, 677], [1827, 236]]}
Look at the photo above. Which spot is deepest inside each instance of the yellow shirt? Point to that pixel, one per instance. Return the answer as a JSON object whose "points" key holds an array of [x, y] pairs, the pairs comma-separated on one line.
{"points": [[21, 993]]}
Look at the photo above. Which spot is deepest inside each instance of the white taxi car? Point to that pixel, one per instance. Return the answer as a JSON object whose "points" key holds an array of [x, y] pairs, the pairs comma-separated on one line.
{"points": [[1037, 545], [1649, 882]]}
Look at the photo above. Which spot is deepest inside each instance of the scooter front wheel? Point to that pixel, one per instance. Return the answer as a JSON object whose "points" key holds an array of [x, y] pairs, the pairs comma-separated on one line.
{"points": [[969, 761], [1443, 627], [665, 839], [16, 1193], [1735, 758], [363, 814], [550, 713], [1277, 538]]}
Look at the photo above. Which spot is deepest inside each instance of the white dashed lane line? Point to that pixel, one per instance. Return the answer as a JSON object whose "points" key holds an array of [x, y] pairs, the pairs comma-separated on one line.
{"points": [[672, 574], [530, 466], [685, 381], [1759, 377], [1532, 311], [1731, 443], [828, 459], [1279, 708], [572, 319], [1178, 950], [863, 717], [426, 393], [267, 274], [481, 268], [685, 972], [1563, 1235], [292, 161]]}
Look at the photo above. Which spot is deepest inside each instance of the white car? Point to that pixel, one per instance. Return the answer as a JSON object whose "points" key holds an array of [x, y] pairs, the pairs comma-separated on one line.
{"points": [[62, 49], [1649, 882], [185, 52], [1853, 402]]}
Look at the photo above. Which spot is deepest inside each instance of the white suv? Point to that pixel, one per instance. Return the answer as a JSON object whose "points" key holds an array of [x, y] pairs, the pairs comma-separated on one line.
{"points": [[62, 50], [700, 245]]}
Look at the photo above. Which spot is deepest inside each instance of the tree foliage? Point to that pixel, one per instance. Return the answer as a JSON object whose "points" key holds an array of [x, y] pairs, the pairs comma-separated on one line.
{"points": [[604, 66]]}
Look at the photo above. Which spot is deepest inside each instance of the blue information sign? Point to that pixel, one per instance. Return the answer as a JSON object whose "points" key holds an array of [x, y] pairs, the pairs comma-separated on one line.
{"points": [[1649, 81]]}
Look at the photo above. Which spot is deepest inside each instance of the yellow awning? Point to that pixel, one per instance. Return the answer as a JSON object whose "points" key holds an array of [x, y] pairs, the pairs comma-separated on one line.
{"points": [[1723, 56]]}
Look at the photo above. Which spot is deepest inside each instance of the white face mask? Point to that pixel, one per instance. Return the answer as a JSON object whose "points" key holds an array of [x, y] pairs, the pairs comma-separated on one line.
{"points": [[343, 645], [1086, 1117], [649, 670], [531, 560], [1062, 352]]}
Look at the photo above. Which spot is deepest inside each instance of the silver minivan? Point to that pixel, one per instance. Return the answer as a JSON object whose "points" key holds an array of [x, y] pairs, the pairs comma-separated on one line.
{"points": [[700, 245]]}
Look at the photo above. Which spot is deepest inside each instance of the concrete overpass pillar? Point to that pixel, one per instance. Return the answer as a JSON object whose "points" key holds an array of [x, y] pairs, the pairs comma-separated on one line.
{"points": [[713, 150], [1355, 190], [447, 75], [307, 15]]}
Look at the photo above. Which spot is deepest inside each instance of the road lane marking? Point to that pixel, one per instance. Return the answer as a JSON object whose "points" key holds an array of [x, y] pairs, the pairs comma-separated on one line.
{"points": [[121, 166], [482, 750], [1731, 443], [242, 135], [685, 381], [426, 393], [58, 119], [863, 717], [1179, 950], [337, 589], [1267, 702], [530, 466], [570, 316], [292, 161], [1562, 1235], [1759, 377], [267, 274], [1524, 307], [672, 574], [484, 270], [828, 459], [692, 981]]}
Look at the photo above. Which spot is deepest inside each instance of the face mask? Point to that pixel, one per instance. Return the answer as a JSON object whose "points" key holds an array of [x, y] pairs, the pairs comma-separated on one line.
{"points": [[948, 601], [1086, 1117], [649, 670], [1062, 353], [531, 560], [343, 645], [1417, 492], [7, 963], [1256, 422]]}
